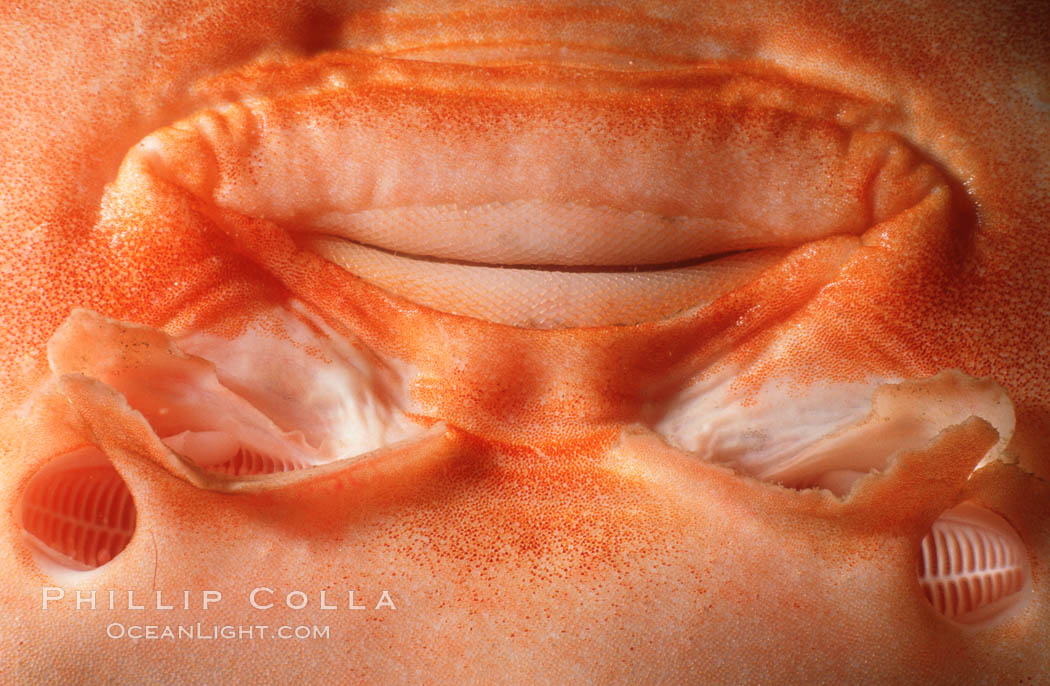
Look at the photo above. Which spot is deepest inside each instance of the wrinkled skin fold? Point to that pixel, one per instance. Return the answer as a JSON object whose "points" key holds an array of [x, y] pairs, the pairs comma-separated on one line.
{"points": [[656, 343]]}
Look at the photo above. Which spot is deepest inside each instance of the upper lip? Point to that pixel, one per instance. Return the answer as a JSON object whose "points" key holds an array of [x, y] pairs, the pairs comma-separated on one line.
{"points": [[500, 172]]}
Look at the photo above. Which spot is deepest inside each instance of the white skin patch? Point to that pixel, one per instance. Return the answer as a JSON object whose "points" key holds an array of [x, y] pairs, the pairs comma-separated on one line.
{"points": [[829, 434], [284, 394]]}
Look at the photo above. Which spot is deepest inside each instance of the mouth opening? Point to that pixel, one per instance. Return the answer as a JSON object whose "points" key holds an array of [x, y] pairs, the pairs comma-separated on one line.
{"points": [[546, 296], [549, 198]]}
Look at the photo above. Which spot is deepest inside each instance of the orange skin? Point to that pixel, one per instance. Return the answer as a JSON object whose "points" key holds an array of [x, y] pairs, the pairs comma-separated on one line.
{"points": [[540, 533]]}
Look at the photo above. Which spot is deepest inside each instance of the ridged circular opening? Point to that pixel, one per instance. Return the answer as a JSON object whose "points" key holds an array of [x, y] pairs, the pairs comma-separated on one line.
{"points": [[77, 513], [973, 567]]}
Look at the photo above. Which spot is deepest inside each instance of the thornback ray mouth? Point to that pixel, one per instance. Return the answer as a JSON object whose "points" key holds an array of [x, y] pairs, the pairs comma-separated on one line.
{"points": [[588, 334], [366, 161]]}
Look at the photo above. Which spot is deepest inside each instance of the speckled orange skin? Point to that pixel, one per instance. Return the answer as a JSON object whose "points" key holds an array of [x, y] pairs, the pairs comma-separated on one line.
{"points": [[543, 537]]}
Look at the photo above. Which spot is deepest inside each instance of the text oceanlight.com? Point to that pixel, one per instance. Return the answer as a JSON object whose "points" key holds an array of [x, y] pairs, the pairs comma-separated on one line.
{"points": [[216, 632]]}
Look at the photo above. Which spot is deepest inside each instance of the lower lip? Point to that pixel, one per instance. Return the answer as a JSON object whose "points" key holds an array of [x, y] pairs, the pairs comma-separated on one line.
{"points": [[548, 297]]}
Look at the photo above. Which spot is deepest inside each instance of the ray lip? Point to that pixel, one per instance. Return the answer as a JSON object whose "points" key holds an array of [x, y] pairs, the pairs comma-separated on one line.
{"points": [[315, 239], [540, 234], [544, 296], [487, 166]]}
